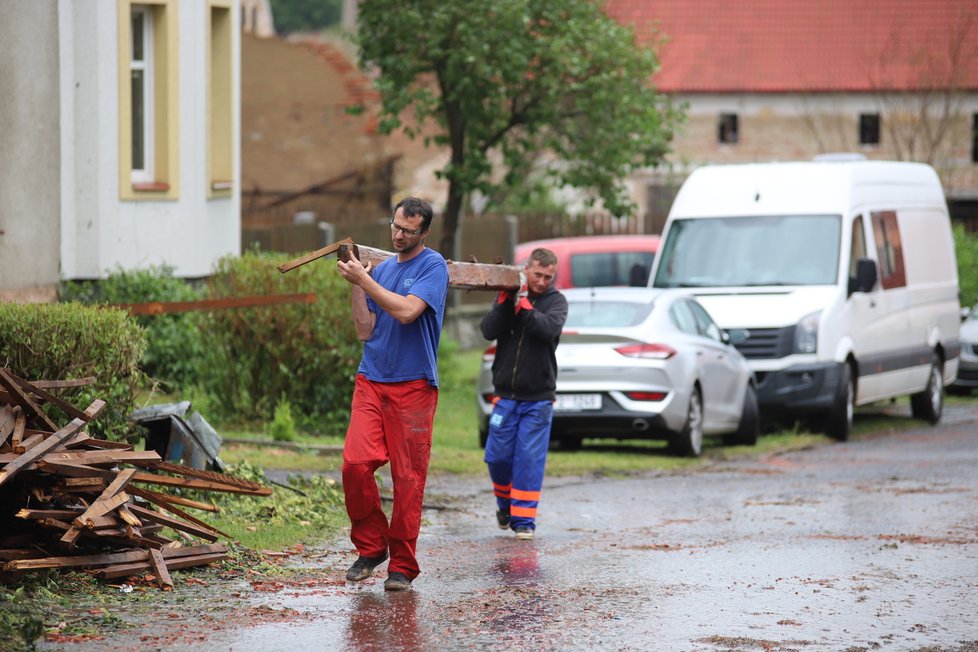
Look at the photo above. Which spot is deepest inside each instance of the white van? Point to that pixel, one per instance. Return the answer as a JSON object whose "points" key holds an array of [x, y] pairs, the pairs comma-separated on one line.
{"points": [[843, 273]]}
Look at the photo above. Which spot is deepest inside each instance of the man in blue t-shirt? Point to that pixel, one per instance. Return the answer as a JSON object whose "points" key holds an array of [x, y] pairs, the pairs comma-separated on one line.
{"points": [[398, 308]]}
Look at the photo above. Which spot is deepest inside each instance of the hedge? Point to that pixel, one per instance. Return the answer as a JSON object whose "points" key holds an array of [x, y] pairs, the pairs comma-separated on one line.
{"points": [[68, 341]]}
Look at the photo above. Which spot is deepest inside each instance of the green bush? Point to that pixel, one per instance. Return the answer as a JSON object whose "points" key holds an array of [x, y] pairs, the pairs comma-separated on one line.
{"points": [[69, 341], [282, 425], [308, 352], [966, 250], [174, 344]]}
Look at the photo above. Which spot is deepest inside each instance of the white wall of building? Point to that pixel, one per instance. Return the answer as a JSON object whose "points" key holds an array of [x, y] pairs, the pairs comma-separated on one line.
{"points": [[100, 232]]}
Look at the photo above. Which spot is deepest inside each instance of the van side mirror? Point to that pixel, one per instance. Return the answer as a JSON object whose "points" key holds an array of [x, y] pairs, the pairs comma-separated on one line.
{"points": [[865, 278], [736, 336]]}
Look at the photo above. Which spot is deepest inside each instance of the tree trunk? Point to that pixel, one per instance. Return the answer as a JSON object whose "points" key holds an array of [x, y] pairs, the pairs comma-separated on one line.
{"points": [[453, 211]]}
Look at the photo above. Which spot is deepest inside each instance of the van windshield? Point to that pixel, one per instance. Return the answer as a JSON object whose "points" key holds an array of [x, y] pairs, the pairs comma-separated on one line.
{"points": [[751, 251]]}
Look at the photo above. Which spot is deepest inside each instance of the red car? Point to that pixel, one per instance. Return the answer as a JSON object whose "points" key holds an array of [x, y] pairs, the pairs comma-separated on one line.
{"points": [[597, 261]]}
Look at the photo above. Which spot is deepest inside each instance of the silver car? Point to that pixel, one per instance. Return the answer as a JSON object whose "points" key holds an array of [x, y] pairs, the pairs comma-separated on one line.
{"points": [[642, 363], [968, 364]]}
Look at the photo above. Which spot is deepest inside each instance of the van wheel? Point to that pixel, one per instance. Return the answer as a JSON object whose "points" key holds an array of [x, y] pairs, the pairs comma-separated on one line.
{"points": [[750, 422], [929, 404], [839, 423], [689, 442]]}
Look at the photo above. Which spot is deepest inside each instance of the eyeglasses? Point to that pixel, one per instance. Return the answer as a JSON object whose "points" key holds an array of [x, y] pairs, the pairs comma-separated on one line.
{"points": [[408, 233]]}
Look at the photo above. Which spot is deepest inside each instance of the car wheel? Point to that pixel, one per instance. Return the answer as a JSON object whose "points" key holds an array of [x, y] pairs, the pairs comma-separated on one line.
{"points": [[750, 422], [929, 404], [689, 442], [839, 424]]}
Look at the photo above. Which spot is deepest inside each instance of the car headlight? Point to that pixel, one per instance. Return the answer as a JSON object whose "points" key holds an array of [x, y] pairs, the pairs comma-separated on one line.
{"points": [[806, 333]]}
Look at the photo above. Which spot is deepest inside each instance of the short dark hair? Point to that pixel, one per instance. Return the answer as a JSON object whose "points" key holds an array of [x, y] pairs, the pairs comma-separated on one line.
{"points": [[544, 257], [413, 207]]}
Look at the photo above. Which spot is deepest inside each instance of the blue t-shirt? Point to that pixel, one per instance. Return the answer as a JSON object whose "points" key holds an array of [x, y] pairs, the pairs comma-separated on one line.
{"points": [[397, 352]]}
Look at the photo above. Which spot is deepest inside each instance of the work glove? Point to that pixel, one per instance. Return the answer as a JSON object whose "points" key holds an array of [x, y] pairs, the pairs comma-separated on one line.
{"points": [[504, 296], [522, 298]]}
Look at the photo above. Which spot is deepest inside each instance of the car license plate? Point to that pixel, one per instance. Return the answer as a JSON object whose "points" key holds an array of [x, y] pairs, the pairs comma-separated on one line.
{"points": [[577, 402]]}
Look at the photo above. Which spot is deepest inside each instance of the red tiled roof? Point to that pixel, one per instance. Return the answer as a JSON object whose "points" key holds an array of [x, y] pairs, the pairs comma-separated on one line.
{"points": [[771, 46]]}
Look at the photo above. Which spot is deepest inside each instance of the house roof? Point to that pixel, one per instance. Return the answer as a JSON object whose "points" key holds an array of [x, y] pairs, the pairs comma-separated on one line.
{"points": [[769, 46]]}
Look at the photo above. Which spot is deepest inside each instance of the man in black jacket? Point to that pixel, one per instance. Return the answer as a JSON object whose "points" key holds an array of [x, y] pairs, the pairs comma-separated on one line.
{"points": [[526, 326]]}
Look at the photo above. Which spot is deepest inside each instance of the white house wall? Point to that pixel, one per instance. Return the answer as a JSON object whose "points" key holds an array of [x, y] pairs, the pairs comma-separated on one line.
{"points": [[102, 233], [29, 147]]}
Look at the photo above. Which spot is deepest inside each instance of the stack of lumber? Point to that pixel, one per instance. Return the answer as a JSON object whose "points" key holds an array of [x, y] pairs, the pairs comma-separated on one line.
{"points": [[68, 500]]}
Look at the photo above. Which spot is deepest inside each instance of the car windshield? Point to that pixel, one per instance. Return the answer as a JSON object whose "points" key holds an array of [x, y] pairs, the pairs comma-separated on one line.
{"points": [[600, 314], [751, 251]]}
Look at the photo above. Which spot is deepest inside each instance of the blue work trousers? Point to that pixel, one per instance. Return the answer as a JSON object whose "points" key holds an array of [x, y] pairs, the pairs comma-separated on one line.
{"points": [[516, 453]]}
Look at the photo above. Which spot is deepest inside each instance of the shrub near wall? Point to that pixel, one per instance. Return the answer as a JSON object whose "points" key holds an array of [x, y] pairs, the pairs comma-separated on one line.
{"points": [[67, 341], [174, 344], [306, 353]]}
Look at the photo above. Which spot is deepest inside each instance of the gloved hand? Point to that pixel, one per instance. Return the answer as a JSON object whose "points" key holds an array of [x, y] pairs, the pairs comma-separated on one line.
{"points": [[504, 296], [521, 300]]}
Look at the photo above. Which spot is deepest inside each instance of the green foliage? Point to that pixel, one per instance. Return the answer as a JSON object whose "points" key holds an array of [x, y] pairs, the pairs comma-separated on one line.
{"points": [[966, 251], [315, 501], [174, 344], [524, 79], [19, 626], [305, 15], [282, 425], [308, 352], [68, 341]]}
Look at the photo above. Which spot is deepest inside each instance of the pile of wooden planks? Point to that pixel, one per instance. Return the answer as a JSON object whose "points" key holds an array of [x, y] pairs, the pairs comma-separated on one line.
{"points": [[68, 500]]}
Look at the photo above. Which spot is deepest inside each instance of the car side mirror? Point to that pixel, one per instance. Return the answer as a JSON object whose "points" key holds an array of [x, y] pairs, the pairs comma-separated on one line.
{"points": [[865, 278]]}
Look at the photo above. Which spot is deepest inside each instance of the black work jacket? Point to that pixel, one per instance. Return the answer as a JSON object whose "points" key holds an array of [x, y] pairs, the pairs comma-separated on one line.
{"points": [[525, 367]]}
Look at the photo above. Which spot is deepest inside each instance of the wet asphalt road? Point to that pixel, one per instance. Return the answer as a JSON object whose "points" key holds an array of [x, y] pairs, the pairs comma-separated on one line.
{"points": [[866, 545]]}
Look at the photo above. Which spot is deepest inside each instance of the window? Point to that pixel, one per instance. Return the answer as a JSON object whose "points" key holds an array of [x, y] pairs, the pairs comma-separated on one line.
{"points": [[869, 129], [220, 115], [889, 249], [974, 138], [141, 76], [858, 246], [148, 99], [727, 129]]}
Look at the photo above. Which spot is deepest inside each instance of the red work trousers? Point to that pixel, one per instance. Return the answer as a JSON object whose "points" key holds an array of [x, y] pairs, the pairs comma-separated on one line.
{"points": [[388, 422]]}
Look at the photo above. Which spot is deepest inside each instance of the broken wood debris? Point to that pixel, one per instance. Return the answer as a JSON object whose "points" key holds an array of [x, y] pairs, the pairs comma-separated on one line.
{"points": [[68, 500]]}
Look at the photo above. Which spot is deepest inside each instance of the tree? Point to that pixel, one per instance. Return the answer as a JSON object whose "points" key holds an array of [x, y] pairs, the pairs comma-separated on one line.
{"points": [[508, 83]]}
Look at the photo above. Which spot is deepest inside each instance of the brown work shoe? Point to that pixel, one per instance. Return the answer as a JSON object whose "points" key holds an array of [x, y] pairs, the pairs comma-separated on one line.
{"points": [[364, 567]]}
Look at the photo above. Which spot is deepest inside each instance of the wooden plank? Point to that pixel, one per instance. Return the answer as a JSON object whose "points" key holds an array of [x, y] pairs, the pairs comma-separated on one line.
{"points": [[63, 384], [74, 561], [126, 515], [461, 276], [206, 485], [68, 469], [165, 502], [22, 399], [85, 415], [171, 307], [124, 570], [45, 446], [99, 508], [315, 255], [202, 531], [20, 427], [159, 567], [7, 421], [28, 443]]}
